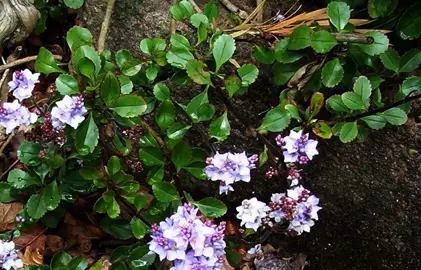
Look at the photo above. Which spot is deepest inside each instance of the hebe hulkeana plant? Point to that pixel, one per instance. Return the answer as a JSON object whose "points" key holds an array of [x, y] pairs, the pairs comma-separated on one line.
{"points": [[113, 130]]}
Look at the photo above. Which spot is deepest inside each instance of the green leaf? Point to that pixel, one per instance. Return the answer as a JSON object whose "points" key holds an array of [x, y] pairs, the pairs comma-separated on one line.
{"points": [[332, 73], [161, 92], [409, 23], [194, 105], [206, 112], [293, 111], [45, 62], [113, 165], [78, 36], [411, 85], [28, 153], [122, 57], [165, 192], [220, 128], [381, 8], [67, 85], [7, 193], [232, 85], [211, 11], [87, 68], [129, 106], [362, 87], [177, 131], [74, 3], [248, 74], [276, 120], [131, 67], [118, 227], [181, 155], [20, 179], [126, 84], [377, 98], [150, 46], [140, 201], [35, 206], [349, 132], [391, 59], [322, 130], [113, 209], [263, 55], [110, 89], [375, 81], [151, 156], [179, 41], [223, 50], [323, 41], [152, 72], [375, 121], [196, 71], [211, 207], [283, 72], [51, 196], [138, 228], [339, 14], [182, 10], [380, 44], [148, 141], [410, 61], [283, 55], [353, 101], [78, 263], [178, 57], [198, 18], [202, 33], [300, 38], [87, 136], [88, 52], [165, 114], [60, 259], [395, 116]]}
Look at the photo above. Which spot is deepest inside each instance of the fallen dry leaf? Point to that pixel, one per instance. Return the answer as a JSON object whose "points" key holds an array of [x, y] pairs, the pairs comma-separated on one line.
{"points": [[8, 212], [53, 244], [33, 241]]}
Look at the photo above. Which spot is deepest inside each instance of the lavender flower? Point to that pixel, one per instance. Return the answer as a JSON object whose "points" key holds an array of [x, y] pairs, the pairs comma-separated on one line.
{"points": [[23, 83], [9, 258], [13, 115], [279, 17], [188, 241], [297, 147], [297, 206], [69, 110], [230, 168], [251, 213], [294, 176]]}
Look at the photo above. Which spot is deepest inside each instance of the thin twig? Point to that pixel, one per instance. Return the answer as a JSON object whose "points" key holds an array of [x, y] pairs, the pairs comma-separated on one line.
{"points": [[173, 25], [353, 38], [23, 61], [195, 6], [8, 169], [3, 146], [105, 26], [35, 238], [233, 8]]}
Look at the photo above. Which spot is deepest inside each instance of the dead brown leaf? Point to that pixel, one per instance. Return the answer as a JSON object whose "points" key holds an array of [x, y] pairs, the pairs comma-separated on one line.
{"points": [[8, 212], [34, 243]]}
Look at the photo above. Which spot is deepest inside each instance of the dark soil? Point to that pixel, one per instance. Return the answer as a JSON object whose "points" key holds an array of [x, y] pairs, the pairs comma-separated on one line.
{"points": [[370, 191]]}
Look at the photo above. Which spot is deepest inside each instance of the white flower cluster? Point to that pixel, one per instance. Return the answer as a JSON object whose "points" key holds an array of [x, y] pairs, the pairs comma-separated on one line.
{"points": [[9, 258], [297, 207]]}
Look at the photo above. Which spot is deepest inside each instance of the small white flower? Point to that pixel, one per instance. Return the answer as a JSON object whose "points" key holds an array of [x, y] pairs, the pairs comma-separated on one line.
{"points": [[251, 212]]}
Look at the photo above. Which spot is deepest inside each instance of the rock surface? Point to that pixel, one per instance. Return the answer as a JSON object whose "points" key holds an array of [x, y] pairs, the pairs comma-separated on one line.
{"points": [[370, 191]]}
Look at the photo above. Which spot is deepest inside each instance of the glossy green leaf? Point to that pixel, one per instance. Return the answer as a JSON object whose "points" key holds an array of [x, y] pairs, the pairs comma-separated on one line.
{"points": [[380, 44], [113, 165], [263, 55], [35, 206], [375, 121], [194, 105], [179, 41], [316, 103], [339, 14], [152, 72], [395, 116], [138, 228], [45, 62], [151, 156], [362, 87], [60, 259], [198, 18], [177, 131], [67, 85], [353, 101], [51, 196], [181, 155], [87, 136], [411, 85], [178, 57], [20, 179], [220, 128], [276, 120], [150, 46], [409, 23], [110, 89], [282, 73], [28, 153], [323, 41], [165, 192], [126, 84], [161, 92], [211, 207], [410, 61], [86, 52], [323, 130], [232, 85], [332, 73], [211, 11], [223, 50], [122, 57], [381, 8], [300, 38], [165, 114], [78, 263], [248, 74], [391, 59], [129, 106], [131, 67], [78, 36], [349, 132], [119, 228], [283, 55], [74, 3]]}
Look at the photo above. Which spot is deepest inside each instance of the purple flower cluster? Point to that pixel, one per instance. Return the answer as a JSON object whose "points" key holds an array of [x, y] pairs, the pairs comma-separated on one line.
{"points": [[69, 110], [13, 115], [297, 207], [297, 147], [188, 241], [23, 83], [9, 258], [230, 168]]}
